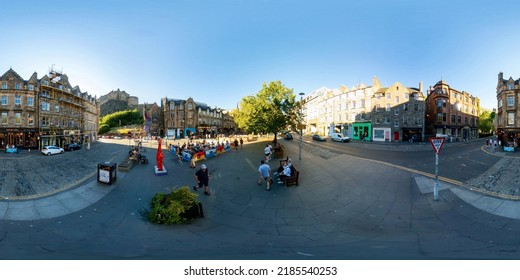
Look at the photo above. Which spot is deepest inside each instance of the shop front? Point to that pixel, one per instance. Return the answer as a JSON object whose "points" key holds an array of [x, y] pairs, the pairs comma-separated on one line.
{"points": [[190, 132], [340, 128], [362, 131], [412, 134], [20, 138]]}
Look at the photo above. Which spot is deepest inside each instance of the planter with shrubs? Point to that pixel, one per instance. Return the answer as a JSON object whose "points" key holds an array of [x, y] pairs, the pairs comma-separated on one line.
{"points": [[178, 207]]}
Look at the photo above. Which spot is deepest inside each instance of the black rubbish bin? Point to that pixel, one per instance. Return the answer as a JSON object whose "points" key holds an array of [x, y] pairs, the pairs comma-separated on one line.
{"points": [[107, 173]]}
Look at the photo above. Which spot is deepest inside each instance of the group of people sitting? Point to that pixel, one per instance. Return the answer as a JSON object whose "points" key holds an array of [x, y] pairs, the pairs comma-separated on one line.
{"points": [[135, 153], [197, 147], [284, 171]]}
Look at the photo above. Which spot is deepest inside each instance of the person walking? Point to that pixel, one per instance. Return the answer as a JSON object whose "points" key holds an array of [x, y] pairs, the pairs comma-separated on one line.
{"points": [[267, 152], [236, 144], [202, 179], [265, 174], [241, 143]]}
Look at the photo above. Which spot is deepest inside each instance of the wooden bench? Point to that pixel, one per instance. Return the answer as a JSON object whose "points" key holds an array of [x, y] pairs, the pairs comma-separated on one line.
{"points": [[293, 180]]}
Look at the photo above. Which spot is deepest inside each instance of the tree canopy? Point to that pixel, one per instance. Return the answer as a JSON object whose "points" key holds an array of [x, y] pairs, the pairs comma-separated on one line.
{"points": [[128, 117], [271, 110], [486, 122]]}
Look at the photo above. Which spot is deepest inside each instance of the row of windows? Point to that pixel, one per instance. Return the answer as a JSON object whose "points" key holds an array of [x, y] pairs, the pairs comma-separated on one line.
{"points": [[510, 101], [17, 86], [442, 117], [17, 118], [200, 111], [17, 100], [405, 107], [406, 96], [61, 122], [405, 121], [455, 95]]}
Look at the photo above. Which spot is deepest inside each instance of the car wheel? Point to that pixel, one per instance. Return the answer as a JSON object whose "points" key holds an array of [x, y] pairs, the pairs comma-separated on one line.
{"points": [[61, 152], [49, 153]]}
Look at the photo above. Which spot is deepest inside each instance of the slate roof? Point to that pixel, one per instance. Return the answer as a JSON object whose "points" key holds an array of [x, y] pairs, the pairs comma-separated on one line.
{"points": [[11, 73]]}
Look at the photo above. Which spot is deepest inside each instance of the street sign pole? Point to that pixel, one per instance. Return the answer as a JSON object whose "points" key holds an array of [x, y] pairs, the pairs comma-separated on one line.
{"points": [[437, 146], [436, 186]]}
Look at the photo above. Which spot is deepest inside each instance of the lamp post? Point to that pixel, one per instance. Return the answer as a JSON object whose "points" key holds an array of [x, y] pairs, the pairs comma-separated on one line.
{"points": [[301, 126], [459, 127]]}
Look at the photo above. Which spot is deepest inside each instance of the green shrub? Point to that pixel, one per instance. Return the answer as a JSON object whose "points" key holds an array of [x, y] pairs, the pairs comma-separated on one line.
{"points": [[168, 208], [103, 128]]}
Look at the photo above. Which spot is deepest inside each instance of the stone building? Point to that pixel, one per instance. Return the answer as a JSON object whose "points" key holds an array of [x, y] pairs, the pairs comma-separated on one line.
{"points": [[187, 118], [451, 113], [91, 113], [18, 111], [209, 120], [180, 117], [65, 113], [508, 110], [394, 113], [42, 112], [397, 113]]}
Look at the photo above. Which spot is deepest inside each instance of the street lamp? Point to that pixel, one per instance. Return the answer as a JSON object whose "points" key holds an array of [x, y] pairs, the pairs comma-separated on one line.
{"points": [[301, 125]]}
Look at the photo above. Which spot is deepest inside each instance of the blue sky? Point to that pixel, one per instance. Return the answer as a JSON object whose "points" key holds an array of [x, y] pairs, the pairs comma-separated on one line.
{"points": [[218, 51]]}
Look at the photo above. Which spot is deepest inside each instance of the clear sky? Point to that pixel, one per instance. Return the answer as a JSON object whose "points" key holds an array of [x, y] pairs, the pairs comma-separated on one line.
{"points": [[218, 51]]}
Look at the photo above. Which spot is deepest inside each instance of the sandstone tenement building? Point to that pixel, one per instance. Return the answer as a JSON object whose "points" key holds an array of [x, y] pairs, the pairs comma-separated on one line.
{"points": [[48, 111], [508, 112], [452, 112]]}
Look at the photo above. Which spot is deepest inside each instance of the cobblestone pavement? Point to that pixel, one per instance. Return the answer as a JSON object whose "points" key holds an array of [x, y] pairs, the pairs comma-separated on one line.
{"points": [[500, 180], [31, 174]]}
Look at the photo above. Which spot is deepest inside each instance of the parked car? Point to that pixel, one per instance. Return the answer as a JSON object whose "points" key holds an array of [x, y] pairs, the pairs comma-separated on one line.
{"points": [[52, 150], [318, 137], [339, 137], [72, 147], [288, 136]]}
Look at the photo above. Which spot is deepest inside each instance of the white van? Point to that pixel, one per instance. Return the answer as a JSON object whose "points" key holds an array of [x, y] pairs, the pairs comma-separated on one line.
{"points": [[339, 137]]}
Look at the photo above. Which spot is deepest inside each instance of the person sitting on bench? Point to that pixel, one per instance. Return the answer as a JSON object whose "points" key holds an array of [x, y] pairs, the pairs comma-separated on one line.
{"points": [[286, 173]]}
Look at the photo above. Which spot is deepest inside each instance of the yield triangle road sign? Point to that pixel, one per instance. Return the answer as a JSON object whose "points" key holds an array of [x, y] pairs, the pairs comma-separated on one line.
{"points": [[437, 144]]}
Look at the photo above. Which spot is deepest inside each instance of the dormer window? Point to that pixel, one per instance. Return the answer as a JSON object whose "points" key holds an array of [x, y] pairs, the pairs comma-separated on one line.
{"points": [[18, 86], [510, 86]]}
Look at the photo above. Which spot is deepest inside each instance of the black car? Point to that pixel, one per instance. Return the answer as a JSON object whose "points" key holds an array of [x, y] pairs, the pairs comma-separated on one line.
{"points": [[318, 137], [288, 136], [72, 147]]}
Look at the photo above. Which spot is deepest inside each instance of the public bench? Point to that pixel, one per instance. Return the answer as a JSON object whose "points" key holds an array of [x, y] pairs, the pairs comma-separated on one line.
{"points": [[293, 179], [278, 151], [295, 174]]}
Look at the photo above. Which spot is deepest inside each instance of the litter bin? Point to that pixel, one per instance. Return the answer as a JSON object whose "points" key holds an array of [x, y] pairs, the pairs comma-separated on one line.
{"points": [[107, 173]]}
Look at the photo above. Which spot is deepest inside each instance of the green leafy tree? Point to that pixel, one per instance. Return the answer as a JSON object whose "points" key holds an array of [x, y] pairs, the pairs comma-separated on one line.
{"points": [[128, 117], [486, 122], [271, 110]]}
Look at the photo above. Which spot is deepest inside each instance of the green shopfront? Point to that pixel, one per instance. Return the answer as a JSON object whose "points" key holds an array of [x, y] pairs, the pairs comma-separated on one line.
{"points": [[362, 131]]}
